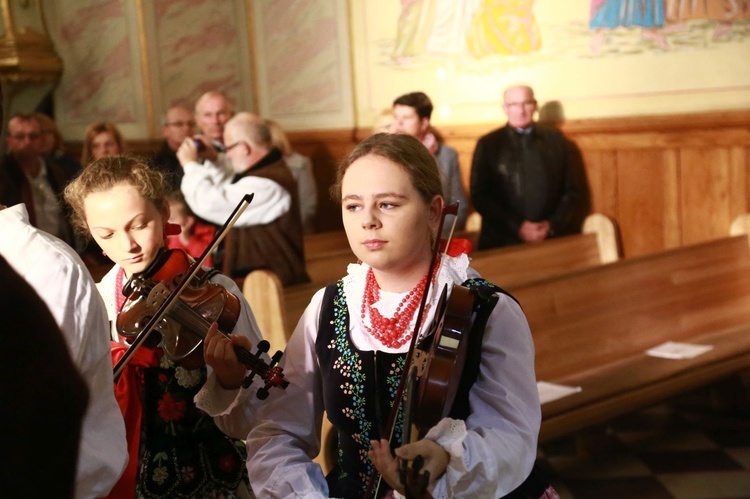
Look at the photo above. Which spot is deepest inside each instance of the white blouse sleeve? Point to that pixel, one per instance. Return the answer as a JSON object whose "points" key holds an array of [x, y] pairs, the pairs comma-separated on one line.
{"points": [[212, 195], [281, 446], [232, 410], [493, 452]]}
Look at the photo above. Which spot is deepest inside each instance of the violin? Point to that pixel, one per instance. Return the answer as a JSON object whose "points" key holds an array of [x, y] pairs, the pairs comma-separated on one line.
{"points": [[186, 323], [175, 298], [435, 363]]}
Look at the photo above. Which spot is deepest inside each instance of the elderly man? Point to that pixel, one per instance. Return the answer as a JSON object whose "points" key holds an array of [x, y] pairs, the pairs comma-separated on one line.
{"points": [[30, 179], [269, 232], [525, 181], [212, 111], [411, 115], [177, 125]]}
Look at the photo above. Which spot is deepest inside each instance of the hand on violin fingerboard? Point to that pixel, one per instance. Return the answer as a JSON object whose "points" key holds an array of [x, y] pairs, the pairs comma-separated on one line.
{"points": [[218, 351], [435, 460]]}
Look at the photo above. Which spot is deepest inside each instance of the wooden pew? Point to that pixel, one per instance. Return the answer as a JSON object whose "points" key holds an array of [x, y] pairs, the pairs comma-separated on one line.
{"points": [[324, 243], [515, 265], [507, 267], [591, 329]]}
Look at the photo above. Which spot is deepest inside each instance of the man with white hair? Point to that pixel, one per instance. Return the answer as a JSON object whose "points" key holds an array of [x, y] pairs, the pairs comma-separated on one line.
{"points": [[213, 110], [269, 232], [526, 180]]}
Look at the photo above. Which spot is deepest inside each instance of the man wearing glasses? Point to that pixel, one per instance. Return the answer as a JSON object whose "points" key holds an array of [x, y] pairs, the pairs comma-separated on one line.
{"points": [[525, 179], [268, 235], [177, 125], [30, 179]]}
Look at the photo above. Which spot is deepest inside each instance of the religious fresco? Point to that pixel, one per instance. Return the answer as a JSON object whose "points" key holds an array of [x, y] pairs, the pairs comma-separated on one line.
{"points": [[465, 27], [600, 57]]}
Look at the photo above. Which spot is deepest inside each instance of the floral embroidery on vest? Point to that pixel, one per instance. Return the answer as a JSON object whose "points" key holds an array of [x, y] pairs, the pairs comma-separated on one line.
{"points": [[356, 416]]}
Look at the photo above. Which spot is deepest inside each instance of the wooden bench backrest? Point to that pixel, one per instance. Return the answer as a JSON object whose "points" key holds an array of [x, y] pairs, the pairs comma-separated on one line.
{"points": [[263, 291], [603, 314], [515, 265], [325, 243], [324, 269]]}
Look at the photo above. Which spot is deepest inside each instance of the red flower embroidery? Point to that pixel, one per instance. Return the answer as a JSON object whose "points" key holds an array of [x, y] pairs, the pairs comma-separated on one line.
{"points": [[162, 378], [226, 464], [171, 409]]}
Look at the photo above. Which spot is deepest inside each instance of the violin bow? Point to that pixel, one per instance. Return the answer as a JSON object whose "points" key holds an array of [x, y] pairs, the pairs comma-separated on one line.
{"points": [[451, 209], [192, 271]]}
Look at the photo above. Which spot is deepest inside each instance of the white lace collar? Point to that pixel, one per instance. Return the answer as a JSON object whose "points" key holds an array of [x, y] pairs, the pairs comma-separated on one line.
{"points": [[453, 270]]}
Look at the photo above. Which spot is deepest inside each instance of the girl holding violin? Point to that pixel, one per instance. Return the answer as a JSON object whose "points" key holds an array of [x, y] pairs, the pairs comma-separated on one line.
{"points": [[348, 352], [176, 449]]}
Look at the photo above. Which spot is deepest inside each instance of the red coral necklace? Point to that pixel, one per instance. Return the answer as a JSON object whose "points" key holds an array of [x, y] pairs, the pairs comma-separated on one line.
{"points": [[390, 331]]}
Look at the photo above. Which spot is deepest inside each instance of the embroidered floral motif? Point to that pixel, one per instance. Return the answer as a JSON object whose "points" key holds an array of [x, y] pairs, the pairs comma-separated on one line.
{"points": [[171, 409], [160, 475], [188, 474], [187, 377], [349, 365], [165, 363]]}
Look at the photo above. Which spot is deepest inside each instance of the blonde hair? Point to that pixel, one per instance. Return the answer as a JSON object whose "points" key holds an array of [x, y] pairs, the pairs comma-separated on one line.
{"points": [[105, 173], [95, 129], [279, 139]]}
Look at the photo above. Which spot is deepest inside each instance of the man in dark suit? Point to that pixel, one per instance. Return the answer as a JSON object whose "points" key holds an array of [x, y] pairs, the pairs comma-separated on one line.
{"points": [[525, 179], [27, 177]]}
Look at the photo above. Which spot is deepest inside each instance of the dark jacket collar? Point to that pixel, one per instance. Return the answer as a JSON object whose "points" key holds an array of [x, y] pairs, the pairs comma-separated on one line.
{"points": [[272, 157]]}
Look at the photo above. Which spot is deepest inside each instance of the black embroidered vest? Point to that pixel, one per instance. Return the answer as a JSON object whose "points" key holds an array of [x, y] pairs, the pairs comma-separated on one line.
{"points": [[359, 386]]}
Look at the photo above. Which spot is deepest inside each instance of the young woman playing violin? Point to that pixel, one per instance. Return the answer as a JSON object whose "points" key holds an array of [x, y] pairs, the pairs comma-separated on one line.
{"points": [[349, 348], [176, 450]]}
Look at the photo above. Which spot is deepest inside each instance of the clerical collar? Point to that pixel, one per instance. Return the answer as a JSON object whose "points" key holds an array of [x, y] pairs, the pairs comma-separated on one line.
{"points": [[524, 131]]}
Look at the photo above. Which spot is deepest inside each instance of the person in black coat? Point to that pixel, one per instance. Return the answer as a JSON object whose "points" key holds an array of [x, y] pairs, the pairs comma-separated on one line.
{"points": [[526, 180]]}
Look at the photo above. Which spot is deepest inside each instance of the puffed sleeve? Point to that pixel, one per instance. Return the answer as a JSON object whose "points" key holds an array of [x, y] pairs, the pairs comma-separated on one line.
{"points": [[281, 446], [232, 410], [493, 451]]}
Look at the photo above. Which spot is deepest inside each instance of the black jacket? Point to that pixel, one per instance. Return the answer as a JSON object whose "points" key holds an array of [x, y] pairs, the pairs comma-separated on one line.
{"points": [[516, 178]]}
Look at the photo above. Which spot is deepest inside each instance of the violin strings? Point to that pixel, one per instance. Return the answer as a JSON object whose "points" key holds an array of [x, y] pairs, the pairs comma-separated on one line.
{"points": [[195, 323]]}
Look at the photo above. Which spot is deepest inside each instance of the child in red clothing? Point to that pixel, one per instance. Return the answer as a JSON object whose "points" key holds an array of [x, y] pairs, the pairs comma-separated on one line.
{"points": [[195, 235]]}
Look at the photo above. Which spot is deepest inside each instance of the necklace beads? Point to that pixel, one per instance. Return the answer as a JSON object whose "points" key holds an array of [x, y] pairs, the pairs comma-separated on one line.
{"points": [[390, 331]]}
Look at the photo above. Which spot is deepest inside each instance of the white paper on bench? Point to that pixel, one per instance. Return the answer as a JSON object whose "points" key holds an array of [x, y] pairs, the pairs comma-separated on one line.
{"points": [[676, 350], [551, 391]]}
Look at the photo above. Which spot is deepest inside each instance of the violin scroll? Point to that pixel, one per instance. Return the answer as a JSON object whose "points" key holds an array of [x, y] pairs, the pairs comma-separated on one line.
{"points": [[272, 374]]}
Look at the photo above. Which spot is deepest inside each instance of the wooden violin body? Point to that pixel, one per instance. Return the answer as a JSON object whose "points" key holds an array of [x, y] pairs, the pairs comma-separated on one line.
{"points": [[439, 360], [183, 321], [182, 330]]}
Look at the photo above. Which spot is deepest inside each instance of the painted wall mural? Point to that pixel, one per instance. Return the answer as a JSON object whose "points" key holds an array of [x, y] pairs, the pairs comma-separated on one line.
{"points": [[302, 62], [99, 61], [598, 58]]}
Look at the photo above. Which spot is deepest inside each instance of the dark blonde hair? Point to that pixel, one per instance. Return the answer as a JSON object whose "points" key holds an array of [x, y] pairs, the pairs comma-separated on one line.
{"points": [[404, 150], [279, 139], [95, 129], [105, 173]]}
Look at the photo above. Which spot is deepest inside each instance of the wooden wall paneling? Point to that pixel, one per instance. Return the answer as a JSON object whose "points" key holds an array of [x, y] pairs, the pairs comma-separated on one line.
{"points": [[672, 228], [641, 186], [602, 183], [704, 194], [739, 193]]}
